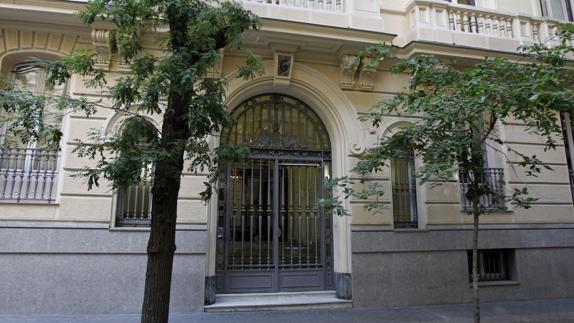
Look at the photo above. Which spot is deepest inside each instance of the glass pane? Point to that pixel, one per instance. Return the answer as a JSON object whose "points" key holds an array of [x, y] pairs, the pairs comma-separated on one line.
{"points": [[404, 189], [29, 77], [26, 77], [300, 217], [250, 227], [134, 202], [277, 121], [557, 9]]}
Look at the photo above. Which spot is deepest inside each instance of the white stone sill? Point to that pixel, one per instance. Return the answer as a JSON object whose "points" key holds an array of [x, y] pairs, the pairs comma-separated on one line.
{"points": [[497, 283]]}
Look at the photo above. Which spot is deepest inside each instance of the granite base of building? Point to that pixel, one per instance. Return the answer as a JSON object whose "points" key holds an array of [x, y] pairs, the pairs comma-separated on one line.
{"points": [[344, 286], [210, 290], [91, 271], [401, 269]]}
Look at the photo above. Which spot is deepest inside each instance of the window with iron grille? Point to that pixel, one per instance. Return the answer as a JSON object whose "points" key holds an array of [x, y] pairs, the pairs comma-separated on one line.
{"points": [[568, 133], [29, 171], [134, 202], [493, 264], [493, 179], [403, 181]]}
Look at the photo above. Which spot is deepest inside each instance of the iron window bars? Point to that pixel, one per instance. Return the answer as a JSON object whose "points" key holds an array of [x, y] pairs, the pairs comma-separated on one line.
{"points": [[493, 265], [494, 178], [134, 203]]}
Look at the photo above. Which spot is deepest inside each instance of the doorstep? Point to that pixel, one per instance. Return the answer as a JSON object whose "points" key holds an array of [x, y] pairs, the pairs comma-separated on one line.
{"points": [[277, 301]]}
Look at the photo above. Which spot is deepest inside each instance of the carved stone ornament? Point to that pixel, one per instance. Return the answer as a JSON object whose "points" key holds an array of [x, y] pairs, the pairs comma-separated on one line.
{"points": [[102, 42], [283, 68], [349, 67], [367, 74], [357, 149], [284, 64], [275, 139]]}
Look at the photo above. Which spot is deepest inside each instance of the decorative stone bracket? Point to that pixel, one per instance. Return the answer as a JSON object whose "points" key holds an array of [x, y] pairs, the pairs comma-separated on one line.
{"points": [[368, 70], [350, 65], [102, 42]]}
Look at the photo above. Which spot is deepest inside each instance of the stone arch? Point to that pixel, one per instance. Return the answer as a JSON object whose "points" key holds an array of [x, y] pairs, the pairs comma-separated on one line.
{"points": [[390, 127], [114, 121], [347, 136], [22, 44]]}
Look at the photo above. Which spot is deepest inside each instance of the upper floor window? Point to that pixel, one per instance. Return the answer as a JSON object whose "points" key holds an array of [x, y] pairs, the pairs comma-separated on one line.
{"points": [[557, 9], [404, 188], [28, 171], [568, 133], [464, 2], [32, 78]]}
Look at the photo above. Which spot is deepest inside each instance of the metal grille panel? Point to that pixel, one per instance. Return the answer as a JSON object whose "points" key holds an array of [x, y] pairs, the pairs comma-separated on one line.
{"points": [[272, 234], [494, 179], [405, 212]]}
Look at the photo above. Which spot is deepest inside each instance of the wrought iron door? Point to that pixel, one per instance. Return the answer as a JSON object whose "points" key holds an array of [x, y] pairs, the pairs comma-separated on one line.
{"points": [[272, 233]]}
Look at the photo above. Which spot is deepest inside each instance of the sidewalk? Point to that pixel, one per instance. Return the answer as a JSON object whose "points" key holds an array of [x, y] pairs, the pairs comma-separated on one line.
{"points": [[544, 311]]}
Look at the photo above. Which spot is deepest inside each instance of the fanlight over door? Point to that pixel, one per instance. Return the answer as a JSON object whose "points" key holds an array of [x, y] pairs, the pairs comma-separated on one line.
{"points": [[272, 234]]}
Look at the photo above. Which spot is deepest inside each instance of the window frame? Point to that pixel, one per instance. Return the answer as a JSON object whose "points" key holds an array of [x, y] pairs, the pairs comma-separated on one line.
{"points": [[28, 163], [568, 137], [506, 263], [546, 10], [413, 192]]}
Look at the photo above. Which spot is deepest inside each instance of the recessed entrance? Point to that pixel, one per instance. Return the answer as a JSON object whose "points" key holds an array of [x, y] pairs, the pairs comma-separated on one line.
{"points": [[272, 235]]}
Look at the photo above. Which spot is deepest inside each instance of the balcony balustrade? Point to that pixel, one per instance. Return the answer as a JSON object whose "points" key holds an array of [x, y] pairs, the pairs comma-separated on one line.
{"points": [[28, 175], [323, 5], [494, 179], [441, 21]]}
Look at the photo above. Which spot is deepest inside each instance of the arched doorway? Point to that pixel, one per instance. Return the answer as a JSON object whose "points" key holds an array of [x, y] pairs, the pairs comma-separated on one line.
{"points": [[272, 235]]}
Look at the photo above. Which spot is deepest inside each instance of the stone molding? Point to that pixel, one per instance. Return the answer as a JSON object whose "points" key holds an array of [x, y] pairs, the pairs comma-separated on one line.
{"points": [[102, 42], [367, 74], [14, 41], [349, 66]]}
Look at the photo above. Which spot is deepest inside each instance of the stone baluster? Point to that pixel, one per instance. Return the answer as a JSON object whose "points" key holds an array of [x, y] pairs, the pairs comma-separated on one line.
{"points": [[502, 27], [473, 22], [480, 24], [495, 26], [509, 29], [451, 20], [487, 25], [460, 21], [535, 30]]}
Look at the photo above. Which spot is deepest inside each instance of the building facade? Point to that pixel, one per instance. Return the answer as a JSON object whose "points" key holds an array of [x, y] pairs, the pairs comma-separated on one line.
{"points": [[66, 249]]}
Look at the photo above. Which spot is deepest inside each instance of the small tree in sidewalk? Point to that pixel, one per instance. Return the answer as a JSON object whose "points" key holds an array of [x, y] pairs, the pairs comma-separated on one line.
{"points": [[173, 85], [463, 109]]}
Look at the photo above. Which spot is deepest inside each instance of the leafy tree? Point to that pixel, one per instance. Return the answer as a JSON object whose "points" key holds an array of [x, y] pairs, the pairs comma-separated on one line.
{"points": [[463, 109], [173, 85]]}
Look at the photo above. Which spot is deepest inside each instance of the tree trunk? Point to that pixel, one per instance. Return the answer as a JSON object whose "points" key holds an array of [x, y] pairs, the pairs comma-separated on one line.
{"points": [[475, 295], [161, 245], [167, 179], [477, 183]]}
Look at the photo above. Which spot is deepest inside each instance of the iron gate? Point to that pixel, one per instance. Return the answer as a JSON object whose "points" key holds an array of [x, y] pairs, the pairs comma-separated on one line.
{"points": [[272, 233]]}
